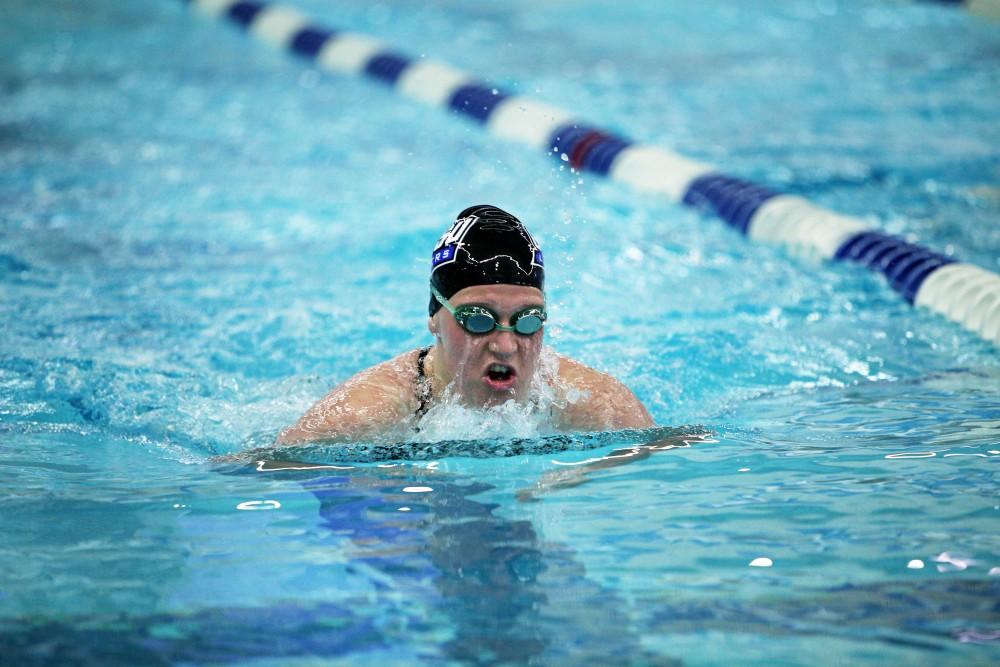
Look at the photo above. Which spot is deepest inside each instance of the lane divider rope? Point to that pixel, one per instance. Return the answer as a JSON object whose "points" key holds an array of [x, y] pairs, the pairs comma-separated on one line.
{"points": [[965, 293]]}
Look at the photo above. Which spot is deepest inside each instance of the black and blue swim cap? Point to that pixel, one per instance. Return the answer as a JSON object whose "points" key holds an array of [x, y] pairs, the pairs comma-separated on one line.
{"points": [[485, 246]]}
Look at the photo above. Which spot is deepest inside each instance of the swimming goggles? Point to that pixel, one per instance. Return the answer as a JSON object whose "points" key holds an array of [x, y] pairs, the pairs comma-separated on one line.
{"points": [[479, 320]]}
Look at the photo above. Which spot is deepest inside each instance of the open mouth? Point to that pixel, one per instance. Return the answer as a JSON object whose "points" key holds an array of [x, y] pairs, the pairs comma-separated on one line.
{"points": [[500, 376]]}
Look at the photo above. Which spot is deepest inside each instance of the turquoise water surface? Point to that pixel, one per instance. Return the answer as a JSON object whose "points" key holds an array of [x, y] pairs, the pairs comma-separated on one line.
{"points": [[199, 236]]}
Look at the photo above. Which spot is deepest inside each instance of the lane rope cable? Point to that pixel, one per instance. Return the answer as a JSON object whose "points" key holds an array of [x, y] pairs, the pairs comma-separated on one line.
{"points": [[964, 293]]}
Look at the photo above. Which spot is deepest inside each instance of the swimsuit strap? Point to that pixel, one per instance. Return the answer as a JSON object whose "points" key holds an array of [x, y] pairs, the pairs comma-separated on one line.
{"points": [[423, 388]]}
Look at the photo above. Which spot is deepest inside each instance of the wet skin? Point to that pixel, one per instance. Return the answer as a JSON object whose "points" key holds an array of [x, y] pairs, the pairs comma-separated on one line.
{"points": [[480, 370], [491, 368]]}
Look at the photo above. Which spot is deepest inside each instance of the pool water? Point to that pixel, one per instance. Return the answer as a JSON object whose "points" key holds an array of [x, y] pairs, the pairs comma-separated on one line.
{"points": [[199, 236]]}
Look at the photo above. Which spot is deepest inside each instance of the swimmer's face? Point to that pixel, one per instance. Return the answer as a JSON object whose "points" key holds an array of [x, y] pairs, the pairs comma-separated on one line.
{"points": [[491, 368]]}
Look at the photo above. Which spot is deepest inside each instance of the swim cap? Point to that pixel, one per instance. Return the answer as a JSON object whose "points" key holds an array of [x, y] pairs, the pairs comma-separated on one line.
{"points": [[485, 246]]}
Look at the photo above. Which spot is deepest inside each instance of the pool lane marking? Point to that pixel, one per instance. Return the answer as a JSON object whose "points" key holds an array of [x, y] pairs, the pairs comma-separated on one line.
{"points": [[964, 293]]}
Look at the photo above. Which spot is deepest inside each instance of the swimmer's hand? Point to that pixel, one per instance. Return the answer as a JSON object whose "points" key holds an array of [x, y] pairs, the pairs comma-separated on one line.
{"points": [[565, 478]]}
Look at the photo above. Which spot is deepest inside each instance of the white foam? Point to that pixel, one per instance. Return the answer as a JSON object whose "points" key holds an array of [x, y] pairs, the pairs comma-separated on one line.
{"points": [[449, 419]]}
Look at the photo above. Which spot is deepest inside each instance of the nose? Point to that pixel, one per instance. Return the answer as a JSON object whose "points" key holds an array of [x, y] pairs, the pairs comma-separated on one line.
{"points": [[503, 343]]}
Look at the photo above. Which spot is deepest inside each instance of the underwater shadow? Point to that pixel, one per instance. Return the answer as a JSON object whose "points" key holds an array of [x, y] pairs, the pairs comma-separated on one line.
{"points": [[453, 580]]}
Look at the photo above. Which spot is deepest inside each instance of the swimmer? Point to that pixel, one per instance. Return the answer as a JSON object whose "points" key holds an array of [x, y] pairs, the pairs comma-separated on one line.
{"points": [[487, 315]]}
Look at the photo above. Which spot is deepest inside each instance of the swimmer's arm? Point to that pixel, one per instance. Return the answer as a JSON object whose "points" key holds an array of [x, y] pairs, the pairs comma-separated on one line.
{"points": [[598, 402], [369, 404]]}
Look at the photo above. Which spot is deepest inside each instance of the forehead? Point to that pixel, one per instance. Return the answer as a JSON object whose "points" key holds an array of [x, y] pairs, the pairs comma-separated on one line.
{"points": [[499, 295]]}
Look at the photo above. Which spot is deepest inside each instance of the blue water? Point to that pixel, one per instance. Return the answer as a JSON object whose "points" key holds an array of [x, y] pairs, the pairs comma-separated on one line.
{"points": [[199, 236]]}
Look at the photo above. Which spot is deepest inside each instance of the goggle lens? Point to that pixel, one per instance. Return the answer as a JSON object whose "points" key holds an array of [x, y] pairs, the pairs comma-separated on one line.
{"points": [[478, 320], [529, 323]]}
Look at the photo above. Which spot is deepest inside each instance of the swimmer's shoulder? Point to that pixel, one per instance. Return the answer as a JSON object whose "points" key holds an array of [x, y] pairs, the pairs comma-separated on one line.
{"points": [[368, 403], [597, 401], [389, 381], [396, 374], [582, 377]]}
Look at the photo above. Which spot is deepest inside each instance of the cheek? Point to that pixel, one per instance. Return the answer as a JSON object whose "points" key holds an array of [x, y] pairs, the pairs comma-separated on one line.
{"points": [[457, 345], [450, 333], [532, 348]]}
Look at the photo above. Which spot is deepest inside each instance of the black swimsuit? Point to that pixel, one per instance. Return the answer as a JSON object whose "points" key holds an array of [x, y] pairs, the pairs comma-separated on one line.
{"points": [[423, 388]]}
